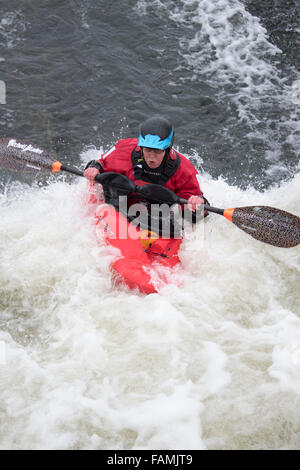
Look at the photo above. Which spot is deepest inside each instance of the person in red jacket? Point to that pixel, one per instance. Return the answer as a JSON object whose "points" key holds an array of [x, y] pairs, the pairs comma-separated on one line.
{"points": [[152, 159]]}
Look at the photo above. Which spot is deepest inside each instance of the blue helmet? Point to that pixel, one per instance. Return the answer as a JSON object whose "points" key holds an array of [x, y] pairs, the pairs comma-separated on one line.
{"points": [[156, 133]]}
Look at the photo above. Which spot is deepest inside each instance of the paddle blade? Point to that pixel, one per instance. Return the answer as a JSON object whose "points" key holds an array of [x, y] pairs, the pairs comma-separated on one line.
{"points": [[16, 154], [267, 224]]}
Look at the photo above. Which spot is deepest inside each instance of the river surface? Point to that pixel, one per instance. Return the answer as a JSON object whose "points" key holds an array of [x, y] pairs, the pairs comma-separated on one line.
{"points": [[86, 364]]}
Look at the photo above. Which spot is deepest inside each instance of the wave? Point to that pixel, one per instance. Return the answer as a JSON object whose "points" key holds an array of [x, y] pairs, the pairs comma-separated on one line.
{"points": [[213, 365], [224, 46]]}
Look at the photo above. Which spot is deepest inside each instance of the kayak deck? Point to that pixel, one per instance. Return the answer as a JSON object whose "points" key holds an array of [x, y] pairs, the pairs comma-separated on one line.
{"points": [[142, 257]]}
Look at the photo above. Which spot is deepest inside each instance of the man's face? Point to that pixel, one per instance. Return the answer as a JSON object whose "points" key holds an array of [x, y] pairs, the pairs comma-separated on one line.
{"points": [[153, 157]]}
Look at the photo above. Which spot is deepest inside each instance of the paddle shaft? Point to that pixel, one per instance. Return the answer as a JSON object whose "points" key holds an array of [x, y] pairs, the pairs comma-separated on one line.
{"points": [[266, 224], [74, 171], [207, 207]]}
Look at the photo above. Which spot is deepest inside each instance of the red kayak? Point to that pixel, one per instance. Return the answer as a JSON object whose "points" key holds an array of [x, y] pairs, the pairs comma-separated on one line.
{"points": [[145, 259]]}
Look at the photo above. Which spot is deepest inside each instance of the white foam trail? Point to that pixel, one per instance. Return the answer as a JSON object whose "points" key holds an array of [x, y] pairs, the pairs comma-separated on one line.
{"points": [[226, 47], [228, 44], [94, 366]]}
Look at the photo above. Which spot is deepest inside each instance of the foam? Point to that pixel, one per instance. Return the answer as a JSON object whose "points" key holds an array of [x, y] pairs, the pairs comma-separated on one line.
{"points": [[222, 45], [93, 366], [12, 28]]}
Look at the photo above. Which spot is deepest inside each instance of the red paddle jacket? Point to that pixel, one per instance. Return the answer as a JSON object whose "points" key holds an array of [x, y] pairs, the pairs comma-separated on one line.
{"points": [[183, 182]]}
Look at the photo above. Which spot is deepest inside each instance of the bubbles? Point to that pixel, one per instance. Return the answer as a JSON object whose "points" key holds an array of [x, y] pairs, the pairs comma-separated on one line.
{"points": [[296, 92], [286, 364], [2, 353], [229, 50], [12, 28], [91, 365]]}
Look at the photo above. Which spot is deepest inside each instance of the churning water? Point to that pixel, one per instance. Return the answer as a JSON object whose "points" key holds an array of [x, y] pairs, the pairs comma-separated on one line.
{"points": [[86, 364]]}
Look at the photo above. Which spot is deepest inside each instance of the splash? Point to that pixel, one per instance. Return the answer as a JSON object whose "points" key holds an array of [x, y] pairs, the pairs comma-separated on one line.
{"points": [[88, 365]]}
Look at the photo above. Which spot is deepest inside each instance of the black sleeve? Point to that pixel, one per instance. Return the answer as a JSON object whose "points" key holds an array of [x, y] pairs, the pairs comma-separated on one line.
{"points": [[95, 164]]}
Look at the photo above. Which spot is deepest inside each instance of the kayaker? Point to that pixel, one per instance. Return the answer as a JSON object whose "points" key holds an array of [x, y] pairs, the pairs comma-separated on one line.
{"points": [[152, 159]]}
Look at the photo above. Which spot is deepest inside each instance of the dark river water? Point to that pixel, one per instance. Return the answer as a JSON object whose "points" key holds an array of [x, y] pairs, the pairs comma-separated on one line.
{"points": [[82, 74]]}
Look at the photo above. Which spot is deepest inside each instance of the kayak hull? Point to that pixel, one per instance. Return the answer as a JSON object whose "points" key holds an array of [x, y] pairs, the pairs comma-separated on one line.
{"points": [[145, 261]]}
